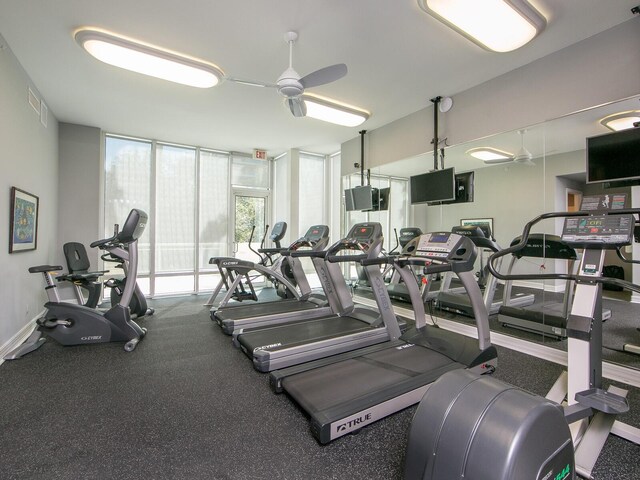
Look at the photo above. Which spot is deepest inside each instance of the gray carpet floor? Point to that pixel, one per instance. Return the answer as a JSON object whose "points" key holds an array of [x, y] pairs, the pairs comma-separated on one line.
{"points": [[186, 404]]}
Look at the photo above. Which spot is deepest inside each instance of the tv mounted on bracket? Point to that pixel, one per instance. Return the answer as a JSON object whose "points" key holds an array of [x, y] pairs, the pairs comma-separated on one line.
{"points": [[614, 156], [433, 187], [464, 188]]}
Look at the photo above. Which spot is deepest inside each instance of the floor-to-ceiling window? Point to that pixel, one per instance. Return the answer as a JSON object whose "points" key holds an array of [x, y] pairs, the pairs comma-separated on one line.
{"points": [[128, 175], [190, 195], [312, 191]]}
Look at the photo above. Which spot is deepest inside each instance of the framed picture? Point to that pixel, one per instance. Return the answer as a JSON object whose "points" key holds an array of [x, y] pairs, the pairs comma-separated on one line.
{"points": [[23, 229], [483, 223]]}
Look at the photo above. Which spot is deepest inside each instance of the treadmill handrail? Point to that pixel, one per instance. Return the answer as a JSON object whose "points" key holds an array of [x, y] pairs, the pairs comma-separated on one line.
{"points": [[308, 253], [558, 276], [346, 258]]}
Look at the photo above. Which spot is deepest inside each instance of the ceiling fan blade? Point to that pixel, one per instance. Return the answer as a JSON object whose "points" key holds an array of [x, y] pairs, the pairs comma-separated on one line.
{"points": [[498, 161], [251, 83], [324, 75], [297, 106]]}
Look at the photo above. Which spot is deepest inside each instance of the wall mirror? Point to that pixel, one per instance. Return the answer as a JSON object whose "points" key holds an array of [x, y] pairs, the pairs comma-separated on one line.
{"points": [[547, 174]]}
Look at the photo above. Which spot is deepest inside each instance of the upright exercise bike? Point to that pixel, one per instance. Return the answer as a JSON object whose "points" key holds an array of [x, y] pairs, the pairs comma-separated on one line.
{"points": [[72, 324]]}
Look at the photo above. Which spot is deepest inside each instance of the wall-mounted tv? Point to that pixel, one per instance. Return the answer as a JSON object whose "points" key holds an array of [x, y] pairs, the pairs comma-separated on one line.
{"points": [[464, 188], [362, 197], [614, 156], [383, 198], [348, 200], [366, 198], [436, 186]]}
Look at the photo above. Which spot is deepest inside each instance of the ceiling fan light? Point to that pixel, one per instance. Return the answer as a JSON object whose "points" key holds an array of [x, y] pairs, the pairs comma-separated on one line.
{"points": [[489, 154], [334, 112], [621, 121], [148, 59], [496, 25]]}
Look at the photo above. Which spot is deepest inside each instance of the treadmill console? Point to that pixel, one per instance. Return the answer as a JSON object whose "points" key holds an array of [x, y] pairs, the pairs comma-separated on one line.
{"points": [[316, 233], [363, 235], [446, 247], [599, 231]]}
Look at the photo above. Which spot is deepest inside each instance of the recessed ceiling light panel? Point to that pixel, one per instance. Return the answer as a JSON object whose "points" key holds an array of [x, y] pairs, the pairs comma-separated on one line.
{"points": [[334, 112], [148, 59], [621, 121], [496, 25]]}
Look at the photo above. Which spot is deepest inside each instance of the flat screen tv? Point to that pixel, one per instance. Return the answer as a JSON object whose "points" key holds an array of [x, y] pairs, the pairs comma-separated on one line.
{"points": [[464, 188], [436, 186], [362, 197], [383, 198], [614, 156], [348, 200]]}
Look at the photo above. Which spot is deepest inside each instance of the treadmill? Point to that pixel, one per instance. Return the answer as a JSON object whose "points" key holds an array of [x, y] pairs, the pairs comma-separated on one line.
{"points": [[459, 302], [354, 327], [305, 305], [342, 394], [548, 318]]}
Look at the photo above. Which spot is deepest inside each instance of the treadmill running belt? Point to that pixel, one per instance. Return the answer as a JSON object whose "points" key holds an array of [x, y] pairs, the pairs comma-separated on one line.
{"points": [[335, 386], [285, 336], [267, 308]]}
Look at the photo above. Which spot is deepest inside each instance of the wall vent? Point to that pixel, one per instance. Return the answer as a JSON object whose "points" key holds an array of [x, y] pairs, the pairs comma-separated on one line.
{"points": [[34, 101]]}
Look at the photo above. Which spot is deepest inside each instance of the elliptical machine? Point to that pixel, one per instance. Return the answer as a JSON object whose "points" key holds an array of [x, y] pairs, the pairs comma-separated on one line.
{"points": [[71, 324], [465, 419]]}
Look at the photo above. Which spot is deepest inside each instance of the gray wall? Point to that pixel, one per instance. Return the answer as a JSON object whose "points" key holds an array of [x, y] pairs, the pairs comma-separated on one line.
{"points": [[29, 161], [80, 187], [600, 69]]}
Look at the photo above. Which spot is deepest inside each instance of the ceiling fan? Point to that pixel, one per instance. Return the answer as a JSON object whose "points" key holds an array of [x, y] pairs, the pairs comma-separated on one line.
{"points": [[523, 156], [291, 85]]}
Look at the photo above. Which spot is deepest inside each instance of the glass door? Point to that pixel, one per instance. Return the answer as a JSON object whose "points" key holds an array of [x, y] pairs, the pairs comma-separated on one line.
{"points": [[249, 214]]}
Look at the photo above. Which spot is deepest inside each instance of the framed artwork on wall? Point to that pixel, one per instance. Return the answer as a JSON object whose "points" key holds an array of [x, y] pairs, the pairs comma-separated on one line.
{"points": [[23, 227], [479, 222]]}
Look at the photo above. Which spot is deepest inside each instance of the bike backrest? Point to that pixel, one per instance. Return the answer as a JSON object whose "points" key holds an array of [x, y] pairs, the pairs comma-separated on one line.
{"points": [[133, 226], [76, 256]]}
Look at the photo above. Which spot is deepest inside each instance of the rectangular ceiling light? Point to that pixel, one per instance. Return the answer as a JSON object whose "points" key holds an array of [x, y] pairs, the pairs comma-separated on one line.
{"points": [[147, 59], [489, 154], [496, 25], [333, 112]]}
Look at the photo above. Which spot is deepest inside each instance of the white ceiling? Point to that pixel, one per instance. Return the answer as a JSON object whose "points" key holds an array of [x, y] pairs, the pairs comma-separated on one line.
{"points": [[398, 57]]}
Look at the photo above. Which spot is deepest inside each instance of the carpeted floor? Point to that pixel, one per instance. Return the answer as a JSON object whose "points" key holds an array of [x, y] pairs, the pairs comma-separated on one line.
{"points": [[186, 404]]}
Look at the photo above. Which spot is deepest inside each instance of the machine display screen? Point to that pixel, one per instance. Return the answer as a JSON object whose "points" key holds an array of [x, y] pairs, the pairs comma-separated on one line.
{"points": [[442, 238], [364, 232], [599, 230]]}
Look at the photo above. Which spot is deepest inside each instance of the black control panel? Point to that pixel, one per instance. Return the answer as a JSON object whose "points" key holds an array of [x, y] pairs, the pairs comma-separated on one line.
{"points": [[447, 247], [599, 231]]}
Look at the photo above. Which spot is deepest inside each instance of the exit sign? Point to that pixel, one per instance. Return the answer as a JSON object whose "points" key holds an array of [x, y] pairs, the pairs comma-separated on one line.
{"points": [[259, 154]]}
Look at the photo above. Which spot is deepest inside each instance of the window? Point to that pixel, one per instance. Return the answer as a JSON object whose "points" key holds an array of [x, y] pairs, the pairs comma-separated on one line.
{"points": [[127, 186], [185, 191], [311, 191], [213, 235], [175, 216], [247, 172]]}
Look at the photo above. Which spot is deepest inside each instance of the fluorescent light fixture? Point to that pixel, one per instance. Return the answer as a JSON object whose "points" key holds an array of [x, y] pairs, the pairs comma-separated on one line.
{"points": [[621, 121], [489, 154], [496, 25], [148, 59], [334, 112]]}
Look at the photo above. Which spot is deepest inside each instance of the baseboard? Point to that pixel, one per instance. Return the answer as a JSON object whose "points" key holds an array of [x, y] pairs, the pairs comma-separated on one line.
{"points": [[19, 337]]}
